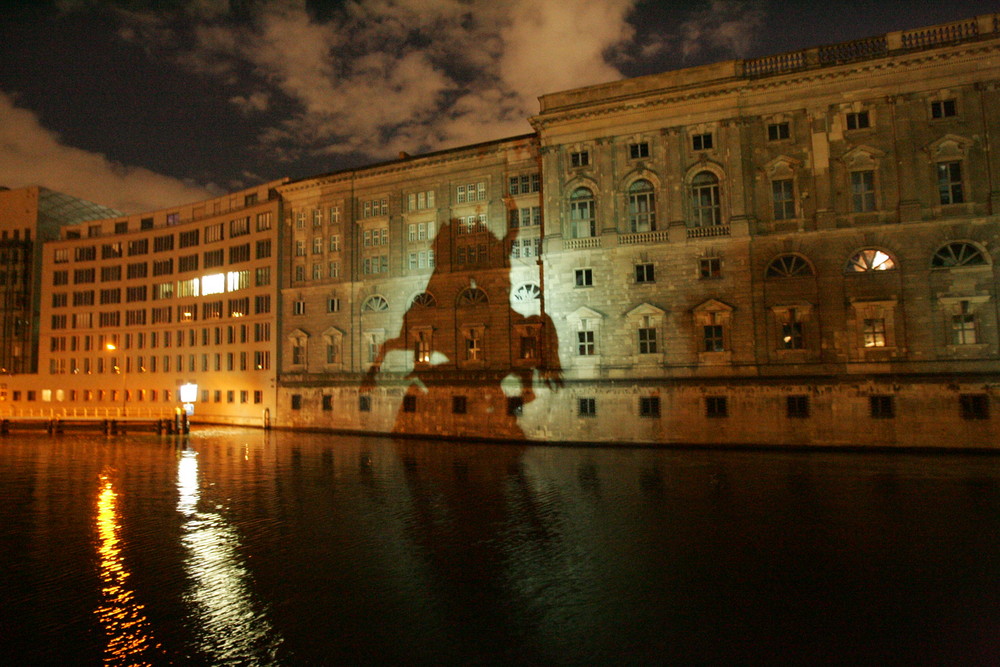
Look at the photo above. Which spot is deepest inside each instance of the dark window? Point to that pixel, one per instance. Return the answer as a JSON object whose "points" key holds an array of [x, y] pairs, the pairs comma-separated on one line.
{"points": [[640, 150], [943, 109], [459, 405], [975, 406], [949, 177], [882, 407], [702, 142], [649, 406], [778, 131], [858, 120], [365, 403], [644, 273], [515, 406], [579, 159], [327, 402], [409, 403], [797, 406], [587, 407], [716, 406], [296, 401], [584, 278], [709, 267]]}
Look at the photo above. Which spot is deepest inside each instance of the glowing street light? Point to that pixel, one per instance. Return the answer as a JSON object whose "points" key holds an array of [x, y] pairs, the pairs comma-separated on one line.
{"points": [[111, 347]]}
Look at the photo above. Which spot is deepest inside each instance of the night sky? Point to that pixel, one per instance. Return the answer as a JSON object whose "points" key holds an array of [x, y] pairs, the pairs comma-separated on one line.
{"points": [[144, 105]]}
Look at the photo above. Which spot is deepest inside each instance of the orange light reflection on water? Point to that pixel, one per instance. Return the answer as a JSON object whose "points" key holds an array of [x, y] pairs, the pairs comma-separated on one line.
{"points": [[130, 641]]}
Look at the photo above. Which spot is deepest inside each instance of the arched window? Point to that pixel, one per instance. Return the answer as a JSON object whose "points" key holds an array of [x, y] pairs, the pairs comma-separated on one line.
{"points": [[425, 300], [870, 259], [786, 266], [581, 213], [374, 304], [641, 207], [706, 211], [527, 292], [958, 254], [473, 296]]}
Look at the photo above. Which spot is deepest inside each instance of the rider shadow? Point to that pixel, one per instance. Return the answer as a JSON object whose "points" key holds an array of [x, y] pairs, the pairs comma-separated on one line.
{"points": [[472, 360]]}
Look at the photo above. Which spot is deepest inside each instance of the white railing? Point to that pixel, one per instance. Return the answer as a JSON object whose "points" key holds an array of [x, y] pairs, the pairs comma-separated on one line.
{"points": [[96, 413], [579, 244], [707, 232], [658, 236]]}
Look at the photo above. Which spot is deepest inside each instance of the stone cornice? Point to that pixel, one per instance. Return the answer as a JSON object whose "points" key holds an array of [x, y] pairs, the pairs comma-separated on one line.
{"points": [[745, 85]]}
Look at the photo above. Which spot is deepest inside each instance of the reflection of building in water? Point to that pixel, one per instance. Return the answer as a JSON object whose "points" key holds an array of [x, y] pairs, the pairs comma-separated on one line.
{"points": [[791, 249]]}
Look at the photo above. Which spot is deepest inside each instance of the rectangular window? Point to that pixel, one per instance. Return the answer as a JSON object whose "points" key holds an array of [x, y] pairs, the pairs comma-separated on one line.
{"points": [[862, 191], [214, 233], [778, 131], [138, 247], [187, 263], [459, 405], [943, 109], [963, 327], [858, 120], [701, 142], [783, 198], [240, 253], [716, 407], [409, 403], [649, 406], [797, 406], [296, 401], [163, 267], [163, 243], [515, 406], [873, 332], [111, 273], [791, 334], [975, 406], [584, 277], [586, 407], [188, 239], [585, 343], [882, 407], [709, 267], [637, 151], [647, 340], [712, 335], [364, 403], [644, 273], [214, 258], [579, 159], [263, 221], [949, 178], [333, 305], [134, 271]]}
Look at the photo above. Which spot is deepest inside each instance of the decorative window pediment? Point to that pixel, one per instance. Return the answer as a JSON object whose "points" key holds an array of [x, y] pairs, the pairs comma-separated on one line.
{"points": [[782, 166], [950, 146], [644, 310], [298, 334], [584, 313], [712, 306], [862, 158]]}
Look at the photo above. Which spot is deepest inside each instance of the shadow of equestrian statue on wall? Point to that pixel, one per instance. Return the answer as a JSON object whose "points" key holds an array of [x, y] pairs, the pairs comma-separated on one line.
{"points": [[472, 361]]}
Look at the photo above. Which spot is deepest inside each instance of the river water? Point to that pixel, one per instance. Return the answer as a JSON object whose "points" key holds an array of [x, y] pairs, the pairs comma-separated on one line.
{"points": [[245, 547]]}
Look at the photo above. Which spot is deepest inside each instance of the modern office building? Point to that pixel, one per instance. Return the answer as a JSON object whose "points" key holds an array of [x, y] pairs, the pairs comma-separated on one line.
{"points": [[797, 249], [28, 218], [136, 306]]}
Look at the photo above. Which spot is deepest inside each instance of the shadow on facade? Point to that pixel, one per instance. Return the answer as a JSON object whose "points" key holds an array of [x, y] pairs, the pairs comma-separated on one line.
{"points": [[473, 347]]}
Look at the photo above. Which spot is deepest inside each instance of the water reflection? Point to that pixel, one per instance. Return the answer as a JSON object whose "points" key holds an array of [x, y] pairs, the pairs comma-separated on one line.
{"points": [[230, 625], [129, 636]]}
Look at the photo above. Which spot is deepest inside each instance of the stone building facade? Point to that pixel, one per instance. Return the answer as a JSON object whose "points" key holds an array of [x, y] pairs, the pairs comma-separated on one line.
{"points": [[797, 249]]}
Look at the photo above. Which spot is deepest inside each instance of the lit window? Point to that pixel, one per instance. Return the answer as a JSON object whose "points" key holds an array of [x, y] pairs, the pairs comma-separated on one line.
{"points": [[870, 259], [873, 332], [963, 326]]}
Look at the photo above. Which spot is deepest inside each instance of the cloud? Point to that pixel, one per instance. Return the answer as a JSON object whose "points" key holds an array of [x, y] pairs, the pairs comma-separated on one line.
{"points": [[373, 77], [33, 155], [725, 26]]}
